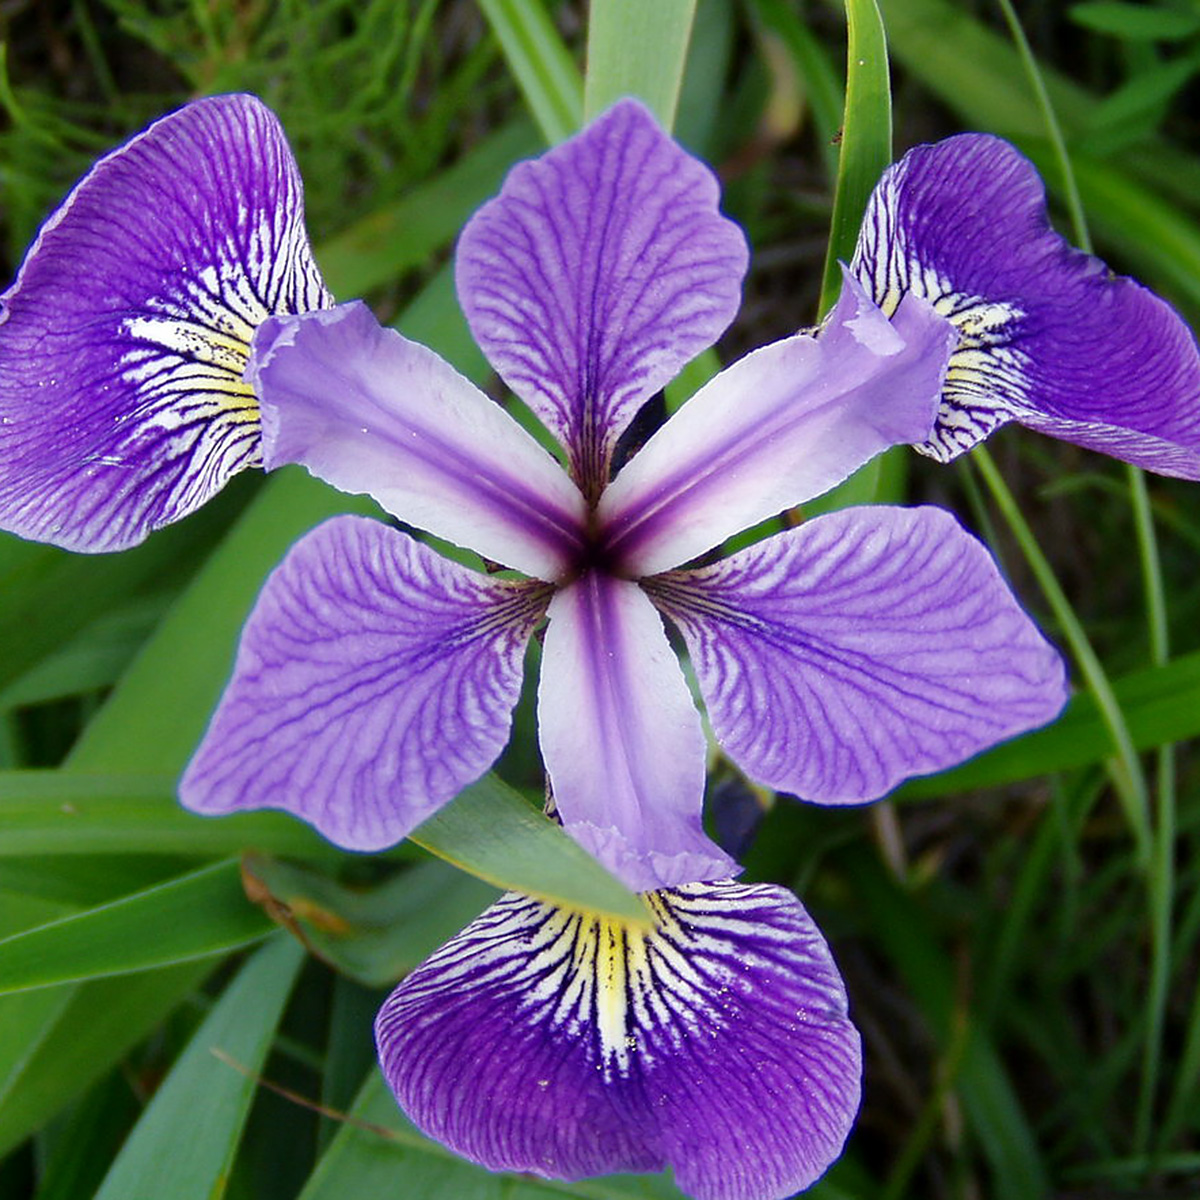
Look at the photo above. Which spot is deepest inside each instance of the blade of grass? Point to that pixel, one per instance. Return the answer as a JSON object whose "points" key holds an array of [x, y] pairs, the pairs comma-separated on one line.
{"points": [[866, 145], [155, 1160], [541, 64], [193, 917]]}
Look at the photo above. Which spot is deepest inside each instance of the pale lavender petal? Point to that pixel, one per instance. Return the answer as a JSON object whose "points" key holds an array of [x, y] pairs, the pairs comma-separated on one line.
{"points": [[1048, 335], [600, 269], [567, 1045], [621, 738], [865, 646], [369, 411], [375, 679], [781, 426], [124, 336]]}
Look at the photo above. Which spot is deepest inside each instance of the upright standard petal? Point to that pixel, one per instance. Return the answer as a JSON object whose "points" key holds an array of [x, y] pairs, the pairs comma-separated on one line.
{"points": [[1048, 336], [865, 646], [373, 682], [780, 426], [369, 411], [600, 269], [568, 1045], [621, 738], [124, 337]]}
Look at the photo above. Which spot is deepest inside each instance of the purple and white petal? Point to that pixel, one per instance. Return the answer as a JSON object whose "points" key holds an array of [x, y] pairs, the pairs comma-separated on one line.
{"points": [[373, 682], [367, 410], [124, 337], [865, 646], [600, 269], [568, 1045], [777, 428], [1048, 336], [621, 737]]}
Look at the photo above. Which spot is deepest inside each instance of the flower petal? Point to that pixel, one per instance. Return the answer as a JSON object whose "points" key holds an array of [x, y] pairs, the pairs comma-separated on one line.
{"points": [[369, 411], [865, 646], [1049, 336], [124, 336], [567, 1045], [600, 269], [621, 738], [375, 680], [779, 427]]}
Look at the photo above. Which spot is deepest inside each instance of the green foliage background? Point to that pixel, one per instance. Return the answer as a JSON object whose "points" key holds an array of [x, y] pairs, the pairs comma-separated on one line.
{"points": [[1019, 936]]}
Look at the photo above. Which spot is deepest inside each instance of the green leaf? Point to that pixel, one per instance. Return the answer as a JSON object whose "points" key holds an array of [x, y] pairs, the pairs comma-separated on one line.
{"points": [[55, 1043], [193, 917], [1138, 22], [489, 831], [204, 1094], [375, 935], [637, 49], [67, 812], [404, 235], [866, 146], [542, 65]]}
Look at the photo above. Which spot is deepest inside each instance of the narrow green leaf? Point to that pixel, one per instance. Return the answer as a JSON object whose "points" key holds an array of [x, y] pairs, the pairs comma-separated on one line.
{"points": [[196, 916], [1138, 22], [637, 49], [866, 146], [379, 247], [489, 831], [66, 812], [205, 1095], [67, 1037], [542, 65]]}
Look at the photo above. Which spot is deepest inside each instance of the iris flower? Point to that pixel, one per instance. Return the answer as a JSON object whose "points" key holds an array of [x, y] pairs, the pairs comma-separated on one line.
{"points": [[124, 337], [565, 1044], [1048, 336], [376, 678]]}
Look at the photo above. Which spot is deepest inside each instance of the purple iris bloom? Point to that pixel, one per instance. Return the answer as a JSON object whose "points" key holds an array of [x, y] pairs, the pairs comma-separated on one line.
{"points": [[566, 1044], [376, 678], [124, 337], [1047, 336]]}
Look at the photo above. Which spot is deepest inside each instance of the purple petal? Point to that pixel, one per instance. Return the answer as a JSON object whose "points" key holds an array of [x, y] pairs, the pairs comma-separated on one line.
{"points": [[784, 424], [621, 738], [1048, 335], [865, 646], [373, 682], [124, 337], [369, 411], [600, 269], [567, 1045]]}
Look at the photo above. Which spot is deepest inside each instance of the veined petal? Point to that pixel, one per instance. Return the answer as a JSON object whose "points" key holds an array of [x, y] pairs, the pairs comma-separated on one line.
{"points": [[369, 411], [374, 680], [600, 269], [568, 1045], [1048, 336], [621, 738], [782, 425], [865, 646], [124, 337]]}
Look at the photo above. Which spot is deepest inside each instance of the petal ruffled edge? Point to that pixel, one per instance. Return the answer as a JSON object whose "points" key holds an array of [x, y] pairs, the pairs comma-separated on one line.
{"points": [[567, 1045], [600, 269]]}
